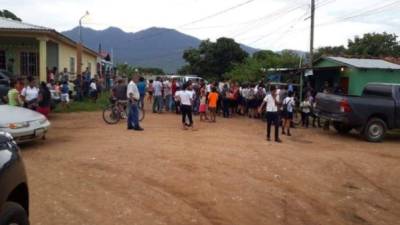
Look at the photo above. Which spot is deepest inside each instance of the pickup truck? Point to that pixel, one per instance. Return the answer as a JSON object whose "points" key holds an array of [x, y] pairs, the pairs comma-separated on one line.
{"points": [[372, 114]]}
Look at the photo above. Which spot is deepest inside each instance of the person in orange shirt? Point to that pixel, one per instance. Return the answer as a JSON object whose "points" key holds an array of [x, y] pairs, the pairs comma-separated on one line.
{"points": [[212, 104]]}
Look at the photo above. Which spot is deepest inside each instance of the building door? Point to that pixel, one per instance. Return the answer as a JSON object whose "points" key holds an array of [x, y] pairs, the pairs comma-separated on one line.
{"points": [[2, 60], [344, 83], [29, 64]]}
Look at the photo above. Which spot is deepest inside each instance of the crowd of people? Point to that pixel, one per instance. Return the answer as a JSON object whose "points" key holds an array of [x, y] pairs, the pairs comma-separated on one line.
{"points": [[227, 99], [59, 88]]}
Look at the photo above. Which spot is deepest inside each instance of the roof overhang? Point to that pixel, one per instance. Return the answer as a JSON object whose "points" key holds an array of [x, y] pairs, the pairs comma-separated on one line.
{"points": [[53, 34]]}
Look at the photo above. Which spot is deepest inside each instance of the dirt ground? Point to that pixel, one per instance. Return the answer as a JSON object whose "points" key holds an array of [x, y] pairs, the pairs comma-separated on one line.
{"points": [[87, 172]]}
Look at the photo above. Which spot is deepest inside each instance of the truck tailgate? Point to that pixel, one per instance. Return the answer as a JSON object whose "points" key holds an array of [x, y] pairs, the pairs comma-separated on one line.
{"points": [[329, 102]]}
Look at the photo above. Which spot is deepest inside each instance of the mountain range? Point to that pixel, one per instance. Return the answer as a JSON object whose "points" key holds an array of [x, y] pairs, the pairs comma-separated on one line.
{"points": [[154, 47]]}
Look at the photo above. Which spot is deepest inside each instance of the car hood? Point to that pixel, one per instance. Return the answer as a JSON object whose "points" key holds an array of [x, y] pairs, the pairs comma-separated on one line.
{"points": [[12, 114]]}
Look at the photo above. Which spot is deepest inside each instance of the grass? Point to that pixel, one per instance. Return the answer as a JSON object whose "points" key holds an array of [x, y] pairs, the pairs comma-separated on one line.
{"points": [[87, 105]]}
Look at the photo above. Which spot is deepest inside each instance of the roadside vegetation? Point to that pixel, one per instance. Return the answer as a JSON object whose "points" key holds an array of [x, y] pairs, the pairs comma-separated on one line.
{"points": [[87, 105]]}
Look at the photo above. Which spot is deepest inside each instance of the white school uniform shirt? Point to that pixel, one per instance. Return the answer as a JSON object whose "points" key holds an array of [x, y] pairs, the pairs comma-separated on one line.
{"points": [[192, 93], [158, 86], [167, 88], [185, 97], [177, 93], [306, 107], [271, 106], [93, 86], [289, 101], [132, 89], [208, 88], [30, 93]]}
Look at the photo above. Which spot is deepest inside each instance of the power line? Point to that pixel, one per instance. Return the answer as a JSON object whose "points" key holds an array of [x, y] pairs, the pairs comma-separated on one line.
{"points": [[365, 12], [296, 21], [218, 13], [199, 20]]}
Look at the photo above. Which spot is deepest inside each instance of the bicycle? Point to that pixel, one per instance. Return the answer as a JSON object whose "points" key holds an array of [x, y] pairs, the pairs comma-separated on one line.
{"points": [[117, 110]]}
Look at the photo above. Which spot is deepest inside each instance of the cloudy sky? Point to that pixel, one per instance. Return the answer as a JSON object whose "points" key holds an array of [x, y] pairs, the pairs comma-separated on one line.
{"points": [[265, 24]]}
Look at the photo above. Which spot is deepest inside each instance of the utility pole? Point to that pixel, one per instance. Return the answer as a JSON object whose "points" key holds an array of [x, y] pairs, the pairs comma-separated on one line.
{"points": [[312, 33], [311, 48], [80, 46]]}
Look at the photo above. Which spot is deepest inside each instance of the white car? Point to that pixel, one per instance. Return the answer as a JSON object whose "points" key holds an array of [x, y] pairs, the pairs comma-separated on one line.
{"points": [[23, 124]]}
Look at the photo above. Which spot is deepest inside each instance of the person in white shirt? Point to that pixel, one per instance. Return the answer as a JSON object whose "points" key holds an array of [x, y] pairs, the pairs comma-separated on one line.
{"points": [[305, 111], [133, 96], [158, 98], [185, 97], [30, 94], [93, 90], [272, 104], [288, 105]]}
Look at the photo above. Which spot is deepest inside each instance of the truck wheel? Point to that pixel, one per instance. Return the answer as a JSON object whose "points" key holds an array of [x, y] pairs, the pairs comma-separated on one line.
{"points": [[375, 130], [341, 128], [13, 213]]}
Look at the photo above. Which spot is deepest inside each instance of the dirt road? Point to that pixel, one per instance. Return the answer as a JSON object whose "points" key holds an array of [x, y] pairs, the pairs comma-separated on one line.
{"points": [[91, 173]]}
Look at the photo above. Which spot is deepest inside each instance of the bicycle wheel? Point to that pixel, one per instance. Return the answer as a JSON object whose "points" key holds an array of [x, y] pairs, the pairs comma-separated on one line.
{"points": [[141, 114], [111, 115]]}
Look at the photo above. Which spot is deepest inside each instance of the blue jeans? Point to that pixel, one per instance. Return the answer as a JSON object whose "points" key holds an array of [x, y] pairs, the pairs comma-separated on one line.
{"points": [[133, 117], [168, 102], [157, 103]]}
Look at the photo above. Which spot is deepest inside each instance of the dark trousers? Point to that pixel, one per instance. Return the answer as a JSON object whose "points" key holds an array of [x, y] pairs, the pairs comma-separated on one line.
{"points": [[305, 120], [187, 112], [133, 117], [225, 107], [177, 107], [273, 118], [141, 101]]}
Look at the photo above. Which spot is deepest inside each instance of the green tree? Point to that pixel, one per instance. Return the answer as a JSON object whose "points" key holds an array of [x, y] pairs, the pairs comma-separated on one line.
{"points": [[213, 59], [253, 69], [374, 44], [331, 51], [8, 14]]}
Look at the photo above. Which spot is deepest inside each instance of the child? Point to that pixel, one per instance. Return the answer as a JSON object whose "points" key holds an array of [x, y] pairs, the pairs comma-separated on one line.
{"points": [[150, 90], [212, 103], [203, 106], [288, 104], [93, 90], [64, 94], [305, 112]]}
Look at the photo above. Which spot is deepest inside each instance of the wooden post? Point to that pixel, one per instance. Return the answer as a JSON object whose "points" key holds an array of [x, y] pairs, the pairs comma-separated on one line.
{"points": [[42, 59]]}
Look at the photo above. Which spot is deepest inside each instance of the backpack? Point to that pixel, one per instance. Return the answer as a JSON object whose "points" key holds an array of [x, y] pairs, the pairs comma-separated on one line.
{"points": [[286, 105]]}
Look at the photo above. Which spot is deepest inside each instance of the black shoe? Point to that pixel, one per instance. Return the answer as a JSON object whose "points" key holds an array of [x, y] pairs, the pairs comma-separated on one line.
{"points": [[138, 129], [130, 128], [268, 139], [278, 140]]}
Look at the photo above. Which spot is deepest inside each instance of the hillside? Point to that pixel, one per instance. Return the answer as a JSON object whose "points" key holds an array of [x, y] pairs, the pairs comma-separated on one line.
{"points": [[153, 47]]}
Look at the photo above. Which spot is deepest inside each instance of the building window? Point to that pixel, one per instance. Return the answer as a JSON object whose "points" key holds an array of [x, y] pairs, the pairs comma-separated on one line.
{"points": [[72, 65], [89, 66], [2, 60], [29, 64]]}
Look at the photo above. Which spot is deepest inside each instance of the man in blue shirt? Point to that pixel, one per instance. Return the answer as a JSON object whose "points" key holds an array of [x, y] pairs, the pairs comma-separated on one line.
{"points": [[142, 86]]}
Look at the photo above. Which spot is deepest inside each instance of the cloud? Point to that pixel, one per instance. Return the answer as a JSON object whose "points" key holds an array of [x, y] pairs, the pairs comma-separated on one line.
{"points": [[269, 24]]}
